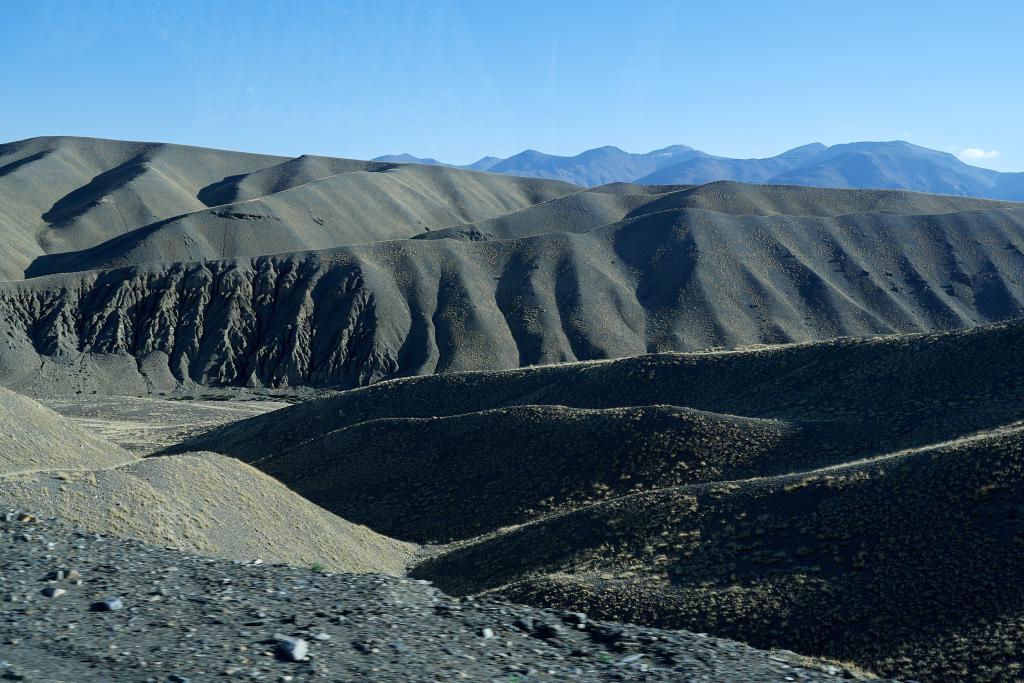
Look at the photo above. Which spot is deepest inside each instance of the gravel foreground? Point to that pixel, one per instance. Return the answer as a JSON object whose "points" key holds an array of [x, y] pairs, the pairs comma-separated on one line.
{"points": [[77, 606]]}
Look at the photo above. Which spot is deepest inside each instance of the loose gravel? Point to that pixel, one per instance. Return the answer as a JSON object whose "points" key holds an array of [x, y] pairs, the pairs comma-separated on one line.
{"points": [[80, 607]]}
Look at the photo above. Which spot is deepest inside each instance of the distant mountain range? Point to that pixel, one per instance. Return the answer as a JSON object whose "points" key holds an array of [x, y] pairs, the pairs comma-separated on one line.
{"points": [[886, 165]]}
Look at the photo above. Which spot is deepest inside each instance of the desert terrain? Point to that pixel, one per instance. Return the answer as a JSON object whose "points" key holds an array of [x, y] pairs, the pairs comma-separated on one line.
{"points": [[502, 427]]}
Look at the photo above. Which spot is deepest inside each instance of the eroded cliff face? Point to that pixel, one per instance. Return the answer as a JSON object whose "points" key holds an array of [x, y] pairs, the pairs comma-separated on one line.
{"points": [[273, 323], [680, 280]]}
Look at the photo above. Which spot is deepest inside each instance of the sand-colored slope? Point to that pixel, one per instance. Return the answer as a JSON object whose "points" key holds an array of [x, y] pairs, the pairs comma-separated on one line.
{"points": [[346, 208], [34, 438], [573, 213], [200, 501], [210, 504], [63, 195], [279, 177]]}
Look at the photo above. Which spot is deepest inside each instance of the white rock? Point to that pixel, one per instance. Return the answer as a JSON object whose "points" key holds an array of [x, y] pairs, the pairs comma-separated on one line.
{"points": [[293, 649]]}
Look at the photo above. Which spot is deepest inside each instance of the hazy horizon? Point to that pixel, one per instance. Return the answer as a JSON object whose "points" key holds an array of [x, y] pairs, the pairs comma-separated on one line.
{"points": [[444, 159]]}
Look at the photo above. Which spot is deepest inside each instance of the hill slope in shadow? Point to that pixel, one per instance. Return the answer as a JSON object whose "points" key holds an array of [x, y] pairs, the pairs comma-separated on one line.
{"points": [[853, 499]]}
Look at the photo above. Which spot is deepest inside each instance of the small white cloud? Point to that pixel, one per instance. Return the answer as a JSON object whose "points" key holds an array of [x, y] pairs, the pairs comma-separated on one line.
{"points": [[975, 154]]}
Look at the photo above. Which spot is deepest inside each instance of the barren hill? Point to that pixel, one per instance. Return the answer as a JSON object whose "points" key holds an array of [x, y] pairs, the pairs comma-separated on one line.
{"points": [[63, 194], [37, 438], [158, 266], [200, 501], [496, 390], [853, 499], [209, 504], [60, 196], [681, 269]]}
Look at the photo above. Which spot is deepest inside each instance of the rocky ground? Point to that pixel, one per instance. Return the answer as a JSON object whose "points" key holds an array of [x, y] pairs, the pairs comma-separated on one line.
{"points": [[77, 606]]}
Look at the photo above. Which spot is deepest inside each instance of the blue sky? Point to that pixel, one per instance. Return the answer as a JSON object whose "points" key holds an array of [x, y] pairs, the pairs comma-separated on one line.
{"points": [[457, 80]]}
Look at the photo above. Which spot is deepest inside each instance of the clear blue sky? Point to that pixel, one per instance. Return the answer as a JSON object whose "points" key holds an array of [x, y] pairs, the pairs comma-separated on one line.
{"points": [[457, 80]]}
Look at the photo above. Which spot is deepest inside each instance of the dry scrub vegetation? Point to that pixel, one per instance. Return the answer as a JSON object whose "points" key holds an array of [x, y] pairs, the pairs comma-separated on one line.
{"points": [[855, 499]]}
